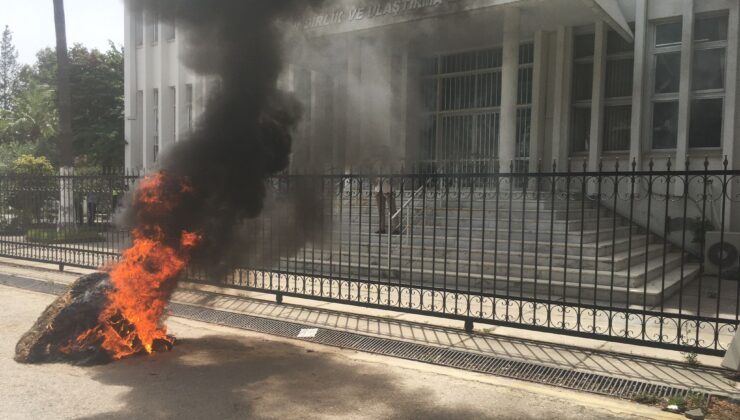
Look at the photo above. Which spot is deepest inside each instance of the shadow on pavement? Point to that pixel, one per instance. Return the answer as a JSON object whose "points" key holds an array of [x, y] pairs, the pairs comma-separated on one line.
{"points": [[220, 377]]}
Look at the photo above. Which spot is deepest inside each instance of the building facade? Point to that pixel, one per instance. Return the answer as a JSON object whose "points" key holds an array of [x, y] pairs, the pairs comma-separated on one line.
{"points": [[468, 83]]}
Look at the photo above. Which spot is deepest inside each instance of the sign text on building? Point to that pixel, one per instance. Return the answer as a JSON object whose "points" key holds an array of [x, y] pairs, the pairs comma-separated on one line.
{"points": [[369, 10]]}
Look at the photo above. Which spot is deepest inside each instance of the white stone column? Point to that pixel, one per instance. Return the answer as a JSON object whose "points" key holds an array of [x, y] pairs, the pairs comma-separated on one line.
{"points": [[200, 95], [597, 96], [167, 118], [399, 128], [684, 90], [539, 96], [731, 85], [732, 108], [509, 88], [147, 78], [316, 130], [561, 111], [180, 73], [129, 82], [353, 94], [639, 93]]}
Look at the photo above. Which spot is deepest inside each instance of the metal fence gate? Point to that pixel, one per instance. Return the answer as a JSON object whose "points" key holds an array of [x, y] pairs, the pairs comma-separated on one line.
{"points": [[613, 255]]}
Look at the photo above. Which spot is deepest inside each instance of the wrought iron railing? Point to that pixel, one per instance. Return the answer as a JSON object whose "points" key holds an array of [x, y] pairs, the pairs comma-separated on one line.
{"points": [[616, 254]]}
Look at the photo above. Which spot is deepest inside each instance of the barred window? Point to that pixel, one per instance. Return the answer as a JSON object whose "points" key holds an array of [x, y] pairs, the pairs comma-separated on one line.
{"points": [[706, 122], [617, 127], [524, 108], [667, 72], [139, 27], [666, 82], [580, 129], [618, 93], [189, 105], [583, 73], [583, 81], [461, 97], [708, 81], [155, 112], [155, 27], [173, 105], [170, 29], [665, 124], [668, 34]]}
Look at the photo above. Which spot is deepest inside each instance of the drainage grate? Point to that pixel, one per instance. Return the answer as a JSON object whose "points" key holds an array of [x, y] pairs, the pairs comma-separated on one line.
{"points": [[34, 285], [531, 372]]}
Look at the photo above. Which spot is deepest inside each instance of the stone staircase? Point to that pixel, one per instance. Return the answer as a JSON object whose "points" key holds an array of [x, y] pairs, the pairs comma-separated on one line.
{"points": [[508, 244]]}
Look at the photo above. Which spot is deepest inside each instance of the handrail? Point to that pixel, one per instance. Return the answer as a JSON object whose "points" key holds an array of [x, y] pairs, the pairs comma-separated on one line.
{"points": [[408, 203]]}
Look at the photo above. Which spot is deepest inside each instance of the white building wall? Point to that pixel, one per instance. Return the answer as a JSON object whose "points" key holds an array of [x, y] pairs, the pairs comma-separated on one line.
{"points": [[362, 109], [154, 63]]}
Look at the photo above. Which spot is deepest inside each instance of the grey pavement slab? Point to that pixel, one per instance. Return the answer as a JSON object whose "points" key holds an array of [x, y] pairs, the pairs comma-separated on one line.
{"points": [[563, 356], [221, 373], [406, 328]]}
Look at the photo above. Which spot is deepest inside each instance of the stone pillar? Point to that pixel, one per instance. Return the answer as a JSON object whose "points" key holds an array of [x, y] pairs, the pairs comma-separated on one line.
{"points": [[509, 88], [147, 86], [732, 84], [339, 128], [180, 73], [399, 101], [684, 90], [561, 111], [129, 80], [638, 86], [167, 117], [597, 96], [352, 113], [539, 96]]}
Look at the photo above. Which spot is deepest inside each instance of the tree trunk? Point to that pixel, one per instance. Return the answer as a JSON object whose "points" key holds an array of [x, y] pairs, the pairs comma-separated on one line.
{"points": [[64, 106]]}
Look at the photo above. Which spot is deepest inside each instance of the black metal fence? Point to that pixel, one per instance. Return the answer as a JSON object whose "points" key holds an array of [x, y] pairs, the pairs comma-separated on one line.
{"points": [[66, 220], [616, 254]]}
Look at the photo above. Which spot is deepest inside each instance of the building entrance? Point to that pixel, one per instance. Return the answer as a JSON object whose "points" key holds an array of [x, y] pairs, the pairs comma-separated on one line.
{"points": [[461, 96]]}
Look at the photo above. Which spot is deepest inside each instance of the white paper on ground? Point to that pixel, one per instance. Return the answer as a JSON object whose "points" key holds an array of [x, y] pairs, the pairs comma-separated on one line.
{"points": [[308, 333]]}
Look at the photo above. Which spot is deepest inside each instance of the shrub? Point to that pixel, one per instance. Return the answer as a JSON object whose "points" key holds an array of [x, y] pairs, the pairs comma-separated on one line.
{"points": [[63, 236], [31, 187], [32, 165]]}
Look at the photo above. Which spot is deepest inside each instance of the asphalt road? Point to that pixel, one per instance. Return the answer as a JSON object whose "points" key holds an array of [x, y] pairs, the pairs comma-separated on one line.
{"points": [[221, 373]]}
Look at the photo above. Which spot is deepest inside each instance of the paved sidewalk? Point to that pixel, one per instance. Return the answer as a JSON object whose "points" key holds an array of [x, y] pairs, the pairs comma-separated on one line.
{"points": [[223, 373], [611, 364], [585, 357]]}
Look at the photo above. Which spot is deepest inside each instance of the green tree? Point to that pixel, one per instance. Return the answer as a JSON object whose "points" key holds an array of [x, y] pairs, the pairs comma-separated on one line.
{"points": [[98, 105], [33, 189], [97, 102], [9, 70], [10, 152], [34, 118]]}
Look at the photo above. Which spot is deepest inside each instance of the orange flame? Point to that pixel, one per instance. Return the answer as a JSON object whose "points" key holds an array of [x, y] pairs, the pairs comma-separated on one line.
{"points": [[143, 280]]}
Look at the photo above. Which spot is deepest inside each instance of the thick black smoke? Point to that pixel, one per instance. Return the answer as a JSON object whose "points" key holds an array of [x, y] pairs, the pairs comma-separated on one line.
{"points": [[244, 137]]}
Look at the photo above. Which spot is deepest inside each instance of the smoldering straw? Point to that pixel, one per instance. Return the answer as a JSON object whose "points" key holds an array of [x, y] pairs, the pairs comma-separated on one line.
{"points": [[245, 133]]}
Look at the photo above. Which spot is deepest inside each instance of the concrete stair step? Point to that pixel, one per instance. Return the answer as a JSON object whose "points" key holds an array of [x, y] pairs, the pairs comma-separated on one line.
{"points": [[651, 293], [605, 247], [493, 214], [527, 234], [502, 222], [426, 256], [381, 267]]}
